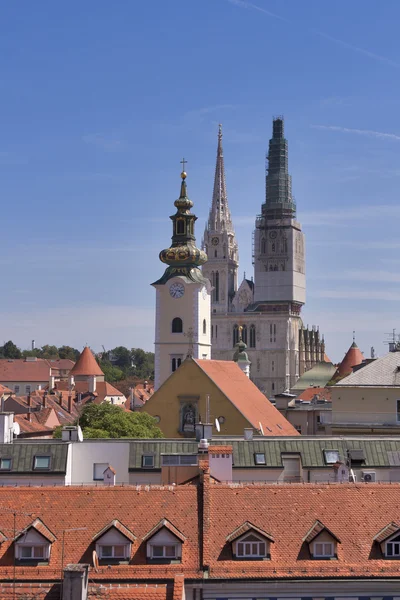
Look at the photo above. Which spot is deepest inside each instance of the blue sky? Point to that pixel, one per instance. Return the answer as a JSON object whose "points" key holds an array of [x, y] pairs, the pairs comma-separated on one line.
{"points": [[99, 102]]}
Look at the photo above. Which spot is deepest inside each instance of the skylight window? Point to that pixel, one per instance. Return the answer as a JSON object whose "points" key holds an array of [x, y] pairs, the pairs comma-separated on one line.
{"points": [[331, 456], [41, 463], [148, 461], [259, 458], [5, 464]]}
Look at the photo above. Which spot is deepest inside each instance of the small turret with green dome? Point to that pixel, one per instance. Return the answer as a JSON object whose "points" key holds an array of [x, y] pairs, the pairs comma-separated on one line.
{"points": [[183, 257]]}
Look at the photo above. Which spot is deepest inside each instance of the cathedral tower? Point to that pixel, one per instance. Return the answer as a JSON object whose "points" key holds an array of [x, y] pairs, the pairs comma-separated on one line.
{"points": [[219, 242], [182, 296], [279, 262]]}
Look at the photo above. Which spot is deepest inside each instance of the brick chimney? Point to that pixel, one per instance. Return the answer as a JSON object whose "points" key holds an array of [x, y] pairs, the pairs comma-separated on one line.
{"points": [[44, 400], [61, 399], [70, 403]]}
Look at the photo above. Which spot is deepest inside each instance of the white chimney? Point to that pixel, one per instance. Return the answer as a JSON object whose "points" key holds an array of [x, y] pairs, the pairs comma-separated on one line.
{"points": [[51, 382], [6, 427], [71, 381], [203, 446], [92, 380]]}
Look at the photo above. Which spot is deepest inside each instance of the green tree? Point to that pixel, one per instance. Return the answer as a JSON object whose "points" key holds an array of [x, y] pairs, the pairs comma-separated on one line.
{"points": [[111, 373], [122, 357], [113, 422], [10, 350], [144, 363], [68, 352], [47, 351]]}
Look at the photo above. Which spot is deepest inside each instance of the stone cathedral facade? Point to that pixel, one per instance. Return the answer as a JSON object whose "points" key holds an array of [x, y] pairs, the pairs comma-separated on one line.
{"points": [[267, 308]]}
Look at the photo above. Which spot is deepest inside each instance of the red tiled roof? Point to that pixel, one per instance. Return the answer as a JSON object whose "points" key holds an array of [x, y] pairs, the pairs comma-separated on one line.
{"points": [[311, 392], [220, 450], [353, 357], [33, 425], [246, 397], [326, 358], [354, 513], [140, 509], [23, 370], [242, 529], [86, 364], [64, 364]]}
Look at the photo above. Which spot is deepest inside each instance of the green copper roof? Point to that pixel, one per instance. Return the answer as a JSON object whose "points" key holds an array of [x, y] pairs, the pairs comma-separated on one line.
{"points": [[183, 256]]}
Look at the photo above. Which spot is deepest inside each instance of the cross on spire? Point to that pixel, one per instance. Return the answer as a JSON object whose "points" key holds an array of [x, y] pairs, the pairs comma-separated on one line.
{"points": [[183, 163]]}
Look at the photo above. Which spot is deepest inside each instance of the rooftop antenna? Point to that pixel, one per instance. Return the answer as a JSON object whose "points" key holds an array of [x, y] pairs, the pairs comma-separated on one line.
{"points": [[392, 341], [207, 408]]}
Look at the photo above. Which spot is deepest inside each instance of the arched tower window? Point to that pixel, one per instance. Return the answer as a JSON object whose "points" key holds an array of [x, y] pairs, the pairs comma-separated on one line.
{"points": [[212, 331], [215, 254], [204, 326], [180, 226], [177, 325], [252, 336], [235, 334], [244, 333], [273, 247]]}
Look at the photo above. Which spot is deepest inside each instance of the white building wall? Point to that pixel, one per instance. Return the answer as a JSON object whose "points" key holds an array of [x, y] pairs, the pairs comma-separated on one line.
{"points": [[85, 454]]}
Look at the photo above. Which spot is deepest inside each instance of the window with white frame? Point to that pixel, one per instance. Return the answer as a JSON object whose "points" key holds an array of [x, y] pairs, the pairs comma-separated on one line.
{"points": [[117, 551], [168, 551], [323, 549], [331, 456], [393, 547], [259, 458], [28, 552], [27, 389], [251, 546]]}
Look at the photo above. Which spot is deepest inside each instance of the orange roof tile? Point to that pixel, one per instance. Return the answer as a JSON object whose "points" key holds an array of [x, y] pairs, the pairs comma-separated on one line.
{"points": [[22, 370], [246, 397], [311, 392], [353, 357], [140, 509], [86, 364]]}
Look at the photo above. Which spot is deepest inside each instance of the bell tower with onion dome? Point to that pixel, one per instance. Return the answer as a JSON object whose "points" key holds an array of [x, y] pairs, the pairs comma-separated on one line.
{"points": [[183, 300]]}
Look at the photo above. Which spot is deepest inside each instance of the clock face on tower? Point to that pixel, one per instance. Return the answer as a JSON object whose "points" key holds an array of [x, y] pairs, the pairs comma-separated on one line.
{"points": [[272, 235], [177, 290], [215, 241]]}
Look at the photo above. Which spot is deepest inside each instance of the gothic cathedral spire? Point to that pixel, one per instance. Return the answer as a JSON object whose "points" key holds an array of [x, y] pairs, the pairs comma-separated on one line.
{"points": [[219, 241]]}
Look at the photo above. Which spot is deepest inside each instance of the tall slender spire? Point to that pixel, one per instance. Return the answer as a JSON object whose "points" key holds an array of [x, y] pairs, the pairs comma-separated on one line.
{"points": [[220, 217]]}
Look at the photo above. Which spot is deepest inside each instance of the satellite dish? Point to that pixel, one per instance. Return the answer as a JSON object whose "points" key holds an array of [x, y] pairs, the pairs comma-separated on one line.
{"points": [[261, 428], [217, 425], [16, 429], [80, 434], [95, 561]]}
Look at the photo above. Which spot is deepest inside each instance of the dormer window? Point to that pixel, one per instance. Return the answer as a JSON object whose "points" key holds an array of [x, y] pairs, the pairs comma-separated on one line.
{"points": [[393, 548], [33, 544], [321, 541], [114, 543], [250, 542], [164, 543], [389, 540]]}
